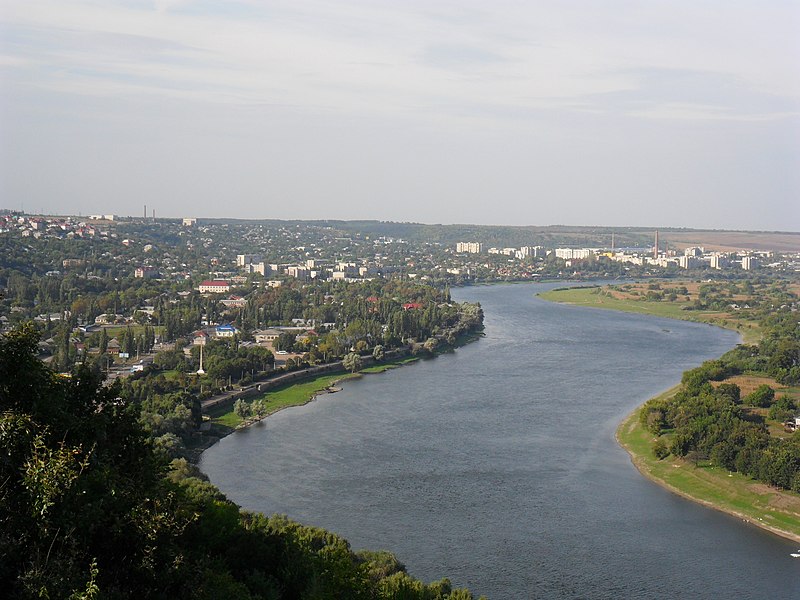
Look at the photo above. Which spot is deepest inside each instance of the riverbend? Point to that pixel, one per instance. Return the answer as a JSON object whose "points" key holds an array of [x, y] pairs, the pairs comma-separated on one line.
{"points": [[497, 464]]}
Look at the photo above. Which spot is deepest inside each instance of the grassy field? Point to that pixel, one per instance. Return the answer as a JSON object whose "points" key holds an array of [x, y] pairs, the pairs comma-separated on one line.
{"points": [[596, 297], [762, 505], [118, 330]]}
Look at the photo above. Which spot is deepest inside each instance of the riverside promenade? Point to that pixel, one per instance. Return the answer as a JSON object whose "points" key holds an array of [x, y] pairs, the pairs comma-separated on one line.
{"points": [[277, 379]]}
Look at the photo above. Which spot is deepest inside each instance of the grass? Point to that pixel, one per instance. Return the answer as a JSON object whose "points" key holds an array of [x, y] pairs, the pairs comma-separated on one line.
{"points": [[391, 364], [291, 394], [118, 330], [595, 297], [297, 394], [733, 493]]}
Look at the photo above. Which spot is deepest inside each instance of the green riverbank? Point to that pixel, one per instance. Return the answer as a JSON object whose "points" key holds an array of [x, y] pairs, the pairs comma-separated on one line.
{"points": [[593, 297], [225, 420], [767, 507], [762, 505]]}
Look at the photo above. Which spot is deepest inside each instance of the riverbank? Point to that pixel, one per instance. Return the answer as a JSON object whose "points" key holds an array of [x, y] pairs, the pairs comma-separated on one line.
{"points": [[732, 493], [303, 388], [225, 421], [769, 508], [592, 297]]}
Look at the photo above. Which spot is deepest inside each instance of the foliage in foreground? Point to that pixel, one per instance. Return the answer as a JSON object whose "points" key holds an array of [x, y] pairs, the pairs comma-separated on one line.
{"points": [[89, 510]]}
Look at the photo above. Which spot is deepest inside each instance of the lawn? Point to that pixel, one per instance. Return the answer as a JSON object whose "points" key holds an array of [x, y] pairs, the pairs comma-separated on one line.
{"points": [[118, 330], [391, 364], [292, 394]]}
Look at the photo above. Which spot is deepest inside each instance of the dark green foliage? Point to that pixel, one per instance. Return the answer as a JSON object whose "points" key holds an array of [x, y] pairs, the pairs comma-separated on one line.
{"points": [[90, 508], [729, 390], [660, 449], [704, 421], [782, 409], [762, 396]]}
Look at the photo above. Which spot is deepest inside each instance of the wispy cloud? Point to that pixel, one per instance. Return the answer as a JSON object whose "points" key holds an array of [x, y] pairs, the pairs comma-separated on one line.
{"points": [[325, 85], [326, 52]]}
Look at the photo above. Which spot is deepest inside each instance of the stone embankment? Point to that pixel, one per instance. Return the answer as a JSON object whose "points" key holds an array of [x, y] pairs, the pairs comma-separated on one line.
{"points": [[275, 380]]}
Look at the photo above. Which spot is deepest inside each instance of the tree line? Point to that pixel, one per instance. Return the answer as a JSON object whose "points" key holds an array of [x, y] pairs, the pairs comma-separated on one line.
{"points": [[709, 419]]}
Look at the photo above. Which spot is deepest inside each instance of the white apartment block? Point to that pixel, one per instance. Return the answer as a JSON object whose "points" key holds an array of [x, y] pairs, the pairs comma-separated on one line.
{"points": [[749, 263], [469, 247], [242, 260], [574, 253]]}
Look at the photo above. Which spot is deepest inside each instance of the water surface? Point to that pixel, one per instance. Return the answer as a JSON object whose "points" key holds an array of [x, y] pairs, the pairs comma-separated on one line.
{"points": [[497, 466]]}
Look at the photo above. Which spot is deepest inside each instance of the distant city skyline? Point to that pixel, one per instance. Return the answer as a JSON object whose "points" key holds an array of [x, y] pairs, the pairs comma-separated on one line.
{"points": [[621, 113]]}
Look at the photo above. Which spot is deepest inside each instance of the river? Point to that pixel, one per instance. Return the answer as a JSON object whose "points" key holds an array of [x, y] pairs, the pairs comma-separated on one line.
{"points": [[496, 465]]}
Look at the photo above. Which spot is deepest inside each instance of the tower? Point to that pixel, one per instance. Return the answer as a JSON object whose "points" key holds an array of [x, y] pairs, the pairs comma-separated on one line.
{"points": [[655, 247]]}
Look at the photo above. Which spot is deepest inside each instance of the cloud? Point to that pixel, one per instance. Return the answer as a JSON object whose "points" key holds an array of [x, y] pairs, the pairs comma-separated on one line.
{"points": [[416, 89]]}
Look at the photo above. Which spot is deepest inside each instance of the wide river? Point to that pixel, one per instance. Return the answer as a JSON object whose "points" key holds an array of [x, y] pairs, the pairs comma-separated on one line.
{"points": [[496, 465]]}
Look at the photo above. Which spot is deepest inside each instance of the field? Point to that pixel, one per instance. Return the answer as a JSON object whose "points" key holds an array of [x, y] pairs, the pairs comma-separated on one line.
{"points": [[730, 241], [632, 298]]}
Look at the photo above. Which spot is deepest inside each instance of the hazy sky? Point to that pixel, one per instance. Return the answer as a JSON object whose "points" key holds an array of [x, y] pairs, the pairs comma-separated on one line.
{"points": [[613, 112]]}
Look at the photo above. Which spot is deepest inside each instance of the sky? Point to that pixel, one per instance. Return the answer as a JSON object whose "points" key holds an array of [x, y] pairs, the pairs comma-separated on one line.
{"points": [[670, 113]]}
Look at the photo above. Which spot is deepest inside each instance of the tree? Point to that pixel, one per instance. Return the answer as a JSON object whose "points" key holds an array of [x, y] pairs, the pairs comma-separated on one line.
{"points": [[378, 353], [80, 484], [730, 390], [241, 408], [660, 449], [762, 396], [285, 342], [352, 362]]}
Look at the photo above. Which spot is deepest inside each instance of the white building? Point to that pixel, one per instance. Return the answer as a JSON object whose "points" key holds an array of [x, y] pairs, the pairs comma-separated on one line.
{"points": [[469, 247], [749, 263], [242, 260], [688, 261]]}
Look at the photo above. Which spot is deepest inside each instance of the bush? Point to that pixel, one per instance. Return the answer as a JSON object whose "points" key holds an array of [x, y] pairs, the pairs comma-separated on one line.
{"points": [[660, 449], [762, 396]]}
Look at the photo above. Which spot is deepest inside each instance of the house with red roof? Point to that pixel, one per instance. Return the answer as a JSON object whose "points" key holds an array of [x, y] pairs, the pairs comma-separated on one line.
{"points": [[215, 286]]}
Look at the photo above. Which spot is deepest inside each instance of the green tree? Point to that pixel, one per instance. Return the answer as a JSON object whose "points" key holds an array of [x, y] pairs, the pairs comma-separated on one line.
{"points": [[352, 362], [762, 396], [285, 341]]}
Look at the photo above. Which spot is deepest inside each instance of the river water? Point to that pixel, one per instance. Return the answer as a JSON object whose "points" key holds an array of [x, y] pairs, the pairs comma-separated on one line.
{"points": [[496, 465]]}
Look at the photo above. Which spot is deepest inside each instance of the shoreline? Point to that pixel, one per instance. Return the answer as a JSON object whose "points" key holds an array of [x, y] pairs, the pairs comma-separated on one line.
{"points": [[224, 431], [641, 462]]}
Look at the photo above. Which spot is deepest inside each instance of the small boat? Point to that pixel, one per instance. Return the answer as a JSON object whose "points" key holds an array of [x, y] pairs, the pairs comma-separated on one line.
{"points": [[795, 555]]}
